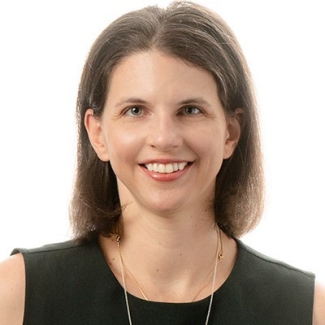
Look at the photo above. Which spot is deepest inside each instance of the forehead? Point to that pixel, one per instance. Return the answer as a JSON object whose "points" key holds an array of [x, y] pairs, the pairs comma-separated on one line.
{"points": [[154, 71]]}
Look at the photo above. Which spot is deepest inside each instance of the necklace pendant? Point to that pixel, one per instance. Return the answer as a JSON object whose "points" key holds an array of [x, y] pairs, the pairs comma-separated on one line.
{"points": [[118, 240]]}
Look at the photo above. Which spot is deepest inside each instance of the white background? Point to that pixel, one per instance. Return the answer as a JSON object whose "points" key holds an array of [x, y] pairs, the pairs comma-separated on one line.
{"points": [[43, 47]]}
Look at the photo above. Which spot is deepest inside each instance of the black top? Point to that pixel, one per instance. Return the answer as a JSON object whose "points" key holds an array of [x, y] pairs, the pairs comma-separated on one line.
{"points": [[71, 284]]}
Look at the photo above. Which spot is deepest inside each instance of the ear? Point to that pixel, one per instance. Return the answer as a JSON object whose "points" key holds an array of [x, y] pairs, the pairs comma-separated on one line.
{"points": [[95, 134], [234, 122]]}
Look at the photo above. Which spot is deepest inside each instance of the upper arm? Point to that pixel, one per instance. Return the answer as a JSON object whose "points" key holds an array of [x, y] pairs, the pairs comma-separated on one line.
{"points": [[12, 290], [319, 305]]}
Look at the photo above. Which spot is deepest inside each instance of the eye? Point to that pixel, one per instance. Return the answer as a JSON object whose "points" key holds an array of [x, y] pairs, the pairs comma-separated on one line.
{"points": [[190, 110], [134, 111]]}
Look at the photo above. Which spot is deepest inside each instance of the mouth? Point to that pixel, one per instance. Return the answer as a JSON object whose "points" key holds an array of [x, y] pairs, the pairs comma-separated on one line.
{"points": [[166, 168]]}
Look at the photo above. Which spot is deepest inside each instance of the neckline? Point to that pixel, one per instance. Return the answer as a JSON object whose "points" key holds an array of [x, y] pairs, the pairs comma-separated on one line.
{"points": [[233, 274]]}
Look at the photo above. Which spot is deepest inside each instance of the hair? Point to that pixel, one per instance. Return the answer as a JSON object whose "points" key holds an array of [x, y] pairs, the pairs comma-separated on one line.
{"points": [[201, 38]]}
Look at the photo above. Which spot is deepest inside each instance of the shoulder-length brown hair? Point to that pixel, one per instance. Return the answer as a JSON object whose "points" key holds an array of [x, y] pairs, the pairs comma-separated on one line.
{"points": [[200, 37]]}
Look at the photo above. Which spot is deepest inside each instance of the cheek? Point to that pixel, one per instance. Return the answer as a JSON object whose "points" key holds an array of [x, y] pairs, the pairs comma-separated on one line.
{"points": [[210, 143], [122, 147], [211, 153]]}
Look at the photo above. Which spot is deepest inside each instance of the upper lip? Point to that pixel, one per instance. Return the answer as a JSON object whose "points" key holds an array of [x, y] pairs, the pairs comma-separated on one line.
{"points": [[164, 161]]}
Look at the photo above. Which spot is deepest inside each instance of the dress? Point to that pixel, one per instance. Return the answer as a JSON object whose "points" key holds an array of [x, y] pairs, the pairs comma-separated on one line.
{"points": [[71, 284]]}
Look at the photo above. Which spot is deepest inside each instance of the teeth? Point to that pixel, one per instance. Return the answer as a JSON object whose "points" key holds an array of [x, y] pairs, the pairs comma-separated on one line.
{"points": [[166, 168]]}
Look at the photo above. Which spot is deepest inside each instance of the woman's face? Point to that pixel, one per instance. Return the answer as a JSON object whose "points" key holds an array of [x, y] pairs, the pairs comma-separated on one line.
{"points": [[164, 132]]}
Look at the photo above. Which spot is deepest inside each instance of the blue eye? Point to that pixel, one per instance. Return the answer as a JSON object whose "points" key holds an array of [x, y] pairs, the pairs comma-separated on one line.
{"points": [[191, 110], [134, 111]]}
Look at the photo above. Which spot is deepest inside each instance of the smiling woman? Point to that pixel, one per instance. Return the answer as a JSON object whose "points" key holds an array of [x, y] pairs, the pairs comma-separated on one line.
{"points": [[169, 178], [162, 89]]}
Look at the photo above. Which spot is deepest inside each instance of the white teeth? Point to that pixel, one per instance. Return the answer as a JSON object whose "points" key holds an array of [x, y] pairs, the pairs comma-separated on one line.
{"points": [[169, 168], [166, 168], [161, 168], [182, 166]]}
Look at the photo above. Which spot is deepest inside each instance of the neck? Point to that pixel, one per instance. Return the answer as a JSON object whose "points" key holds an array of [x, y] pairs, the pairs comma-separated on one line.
{"points": [[165, 256], [163, 241]]}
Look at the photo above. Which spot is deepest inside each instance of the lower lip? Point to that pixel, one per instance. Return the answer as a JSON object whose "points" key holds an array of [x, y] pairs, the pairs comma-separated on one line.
{"points": [[164, 177]]}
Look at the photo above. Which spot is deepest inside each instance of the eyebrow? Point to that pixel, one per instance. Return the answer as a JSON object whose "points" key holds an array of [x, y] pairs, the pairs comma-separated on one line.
{"points": [[194, 100], [131, 100]]}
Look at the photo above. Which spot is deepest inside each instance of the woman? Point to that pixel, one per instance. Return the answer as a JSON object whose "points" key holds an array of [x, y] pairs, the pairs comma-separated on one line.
{"points": [[169, 177]]}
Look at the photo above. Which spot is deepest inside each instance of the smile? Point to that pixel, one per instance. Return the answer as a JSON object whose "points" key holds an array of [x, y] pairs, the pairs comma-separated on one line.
{"points": [[166, 168]]}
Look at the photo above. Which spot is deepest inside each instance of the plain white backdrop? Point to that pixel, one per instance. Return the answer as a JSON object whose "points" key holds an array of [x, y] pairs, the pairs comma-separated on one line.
{"points": [[43, 48]]}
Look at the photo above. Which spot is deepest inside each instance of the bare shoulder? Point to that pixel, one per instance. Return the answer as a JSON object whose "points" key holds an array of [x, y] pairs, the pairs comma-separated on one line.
{"points": [[319, 304], [12, 290]]}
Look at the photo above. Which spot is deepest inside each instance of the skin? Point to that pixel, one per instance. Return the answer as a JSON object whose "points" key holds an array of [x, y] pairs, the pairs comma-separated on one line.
{"points": [[12, 290], [159, 110]]}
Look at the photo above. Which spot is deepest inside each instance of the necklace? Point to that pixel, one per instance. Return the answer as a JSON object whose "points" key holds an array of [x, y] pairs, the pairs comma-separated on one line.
{"points": [[219, 256], [123, 267]]}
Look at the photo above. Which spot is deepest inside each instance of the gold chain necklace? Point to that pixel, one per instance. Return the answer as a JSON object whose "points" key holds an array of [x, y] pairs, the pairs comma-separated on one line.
{"points": [[219, 256]]}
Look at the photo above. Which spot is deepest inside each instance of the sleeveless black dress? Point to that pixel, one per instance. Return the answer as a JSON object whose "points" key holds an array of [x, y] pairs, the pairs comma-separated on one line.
{"points": [[71, 284]]}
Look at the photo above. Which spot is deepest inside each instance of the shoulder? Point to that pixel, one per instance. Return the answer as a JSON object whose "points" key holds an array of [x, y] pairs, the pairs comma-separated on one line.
{"points": [[52, 248], [59, 263], [55, 253], [13, 273], [12, 290], [275, 283], [319, 304], [28, 270], [266, 265]]}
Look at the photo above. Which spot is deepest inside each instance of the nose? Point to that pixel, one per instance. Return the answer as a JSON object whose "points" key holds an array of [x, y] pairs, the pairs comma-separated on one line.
{"points": [[164, 132]]}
